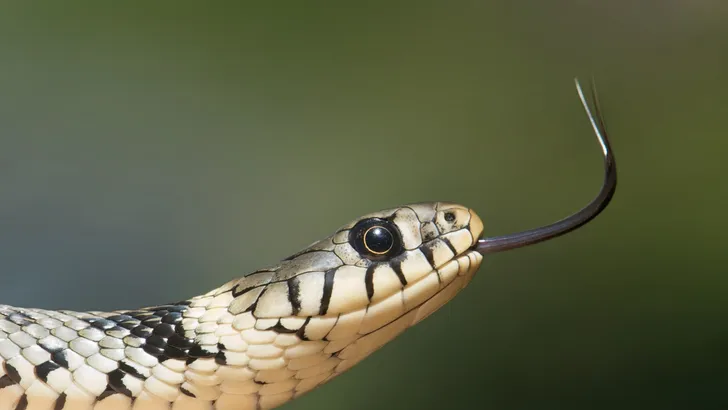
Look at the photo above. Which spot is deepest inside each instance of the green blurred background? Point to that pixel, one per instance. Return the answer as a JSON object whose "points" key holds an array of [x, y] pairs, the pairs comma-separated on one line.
{"points": [[151, 151]]}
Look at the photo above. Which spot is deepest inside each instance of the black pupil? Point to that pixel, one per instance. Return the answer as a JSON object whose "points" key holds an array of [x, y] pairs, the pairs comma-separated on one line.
{"points": [[378, 240]]}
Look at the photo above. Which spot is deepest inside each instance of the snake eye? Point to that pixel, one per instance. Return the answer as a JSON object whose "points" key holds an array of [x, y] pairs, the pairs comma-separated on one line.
{"points": [[376, 239]]}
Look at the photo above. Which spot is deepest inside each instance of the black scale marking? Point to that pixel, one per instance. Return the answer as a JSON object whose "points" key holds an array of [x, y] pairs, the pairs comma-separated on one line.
{"points": [[6, 381], [116, 384], [22, 403], [59, 358], [279, 328], [397, 268], [106, 393], [427, 251], [60, 402], [301, 333], [43, 369], [294, 295], [328, 289], [12, 372], [187, 392], [161, 335], [159, 329], [159, 332], [450, 245], [369, 281], [125, 368]]}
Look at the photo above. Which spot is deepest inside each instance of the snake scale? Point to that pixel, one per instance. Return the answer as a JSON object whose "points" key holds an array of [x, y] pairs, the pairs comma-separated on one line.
{"points": [[261, 340]]}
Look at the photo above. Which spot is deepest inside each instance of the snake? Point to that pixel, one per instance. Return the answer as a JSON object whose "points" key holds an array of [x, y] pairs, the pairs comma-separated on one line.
{"points": [[263, 339]]}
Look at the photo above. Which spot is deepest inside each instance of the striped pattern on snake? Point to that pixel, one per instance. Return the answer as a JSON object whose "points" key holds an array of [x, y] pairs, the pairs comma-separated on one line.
{"points": [[255, 342]]}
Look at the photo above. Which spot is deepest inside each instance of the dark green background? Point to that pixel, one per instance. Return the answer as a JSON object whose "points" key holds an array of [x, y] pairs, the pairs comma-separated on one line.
{"points": [[151, 151]]}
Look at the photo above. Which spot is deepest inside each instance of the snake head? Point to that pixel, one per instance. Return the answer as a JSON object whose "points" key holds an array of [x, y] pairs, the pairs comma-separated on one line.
{"points": [[413, 259], [377, 268]]}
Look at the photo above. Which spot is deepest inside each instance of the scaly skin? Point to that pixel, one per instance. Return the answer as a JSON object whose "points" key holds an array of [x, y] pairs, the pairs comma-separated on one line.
{"points": [[253, 343]]}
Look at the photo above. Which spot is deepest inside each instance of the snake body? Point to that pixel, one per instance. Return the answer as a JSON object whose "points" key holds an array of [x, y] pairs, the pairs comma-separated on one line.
{"points": [[270, 336], [255, 342]]}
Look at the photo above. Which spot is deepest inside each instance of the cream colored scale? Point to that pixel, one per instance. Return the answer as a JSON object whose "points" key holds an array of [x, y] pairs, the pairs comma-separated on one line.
{"points": [[262, 340]]}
